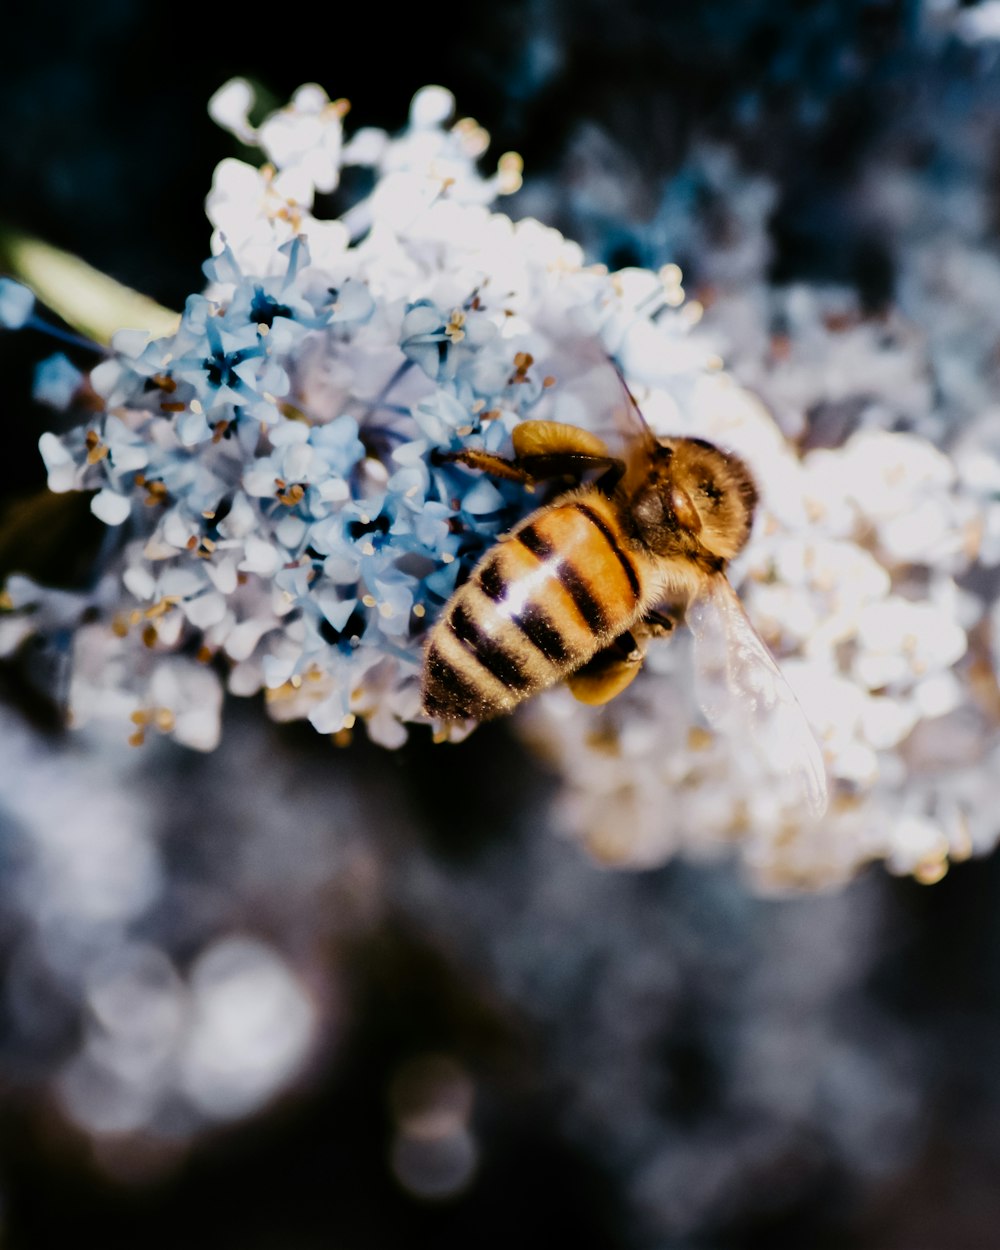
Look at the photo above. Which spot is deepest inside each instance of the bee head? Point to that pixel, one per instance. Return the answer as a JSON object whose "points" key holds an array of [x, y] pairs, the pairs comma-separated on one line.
{"points": [[712, 495], [688, 489]]}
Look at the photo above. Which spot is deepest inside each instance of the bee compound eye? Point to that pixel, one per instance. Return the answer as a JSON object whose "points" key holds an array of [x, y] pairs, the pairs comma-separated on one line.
{"points": [[649, 509], [684, 510]]}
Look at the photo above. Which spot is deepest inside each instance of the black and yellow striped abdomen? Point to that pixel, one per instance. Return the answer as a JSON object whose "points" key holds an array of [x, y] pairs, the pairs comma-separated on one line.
{"points": [[539, 605]]}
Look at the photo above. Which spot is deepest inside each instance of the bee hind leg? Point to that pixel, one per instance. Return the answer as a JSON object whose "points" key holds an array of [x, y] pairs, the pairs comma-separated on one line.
{"points": [[612, 669], [606, 674], [575, 465]]}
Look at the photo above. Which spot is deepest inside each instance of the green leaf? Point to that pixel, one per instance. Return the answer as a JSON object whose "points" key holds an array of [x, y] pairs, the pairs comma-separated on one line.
{"points": [[86, 299]]}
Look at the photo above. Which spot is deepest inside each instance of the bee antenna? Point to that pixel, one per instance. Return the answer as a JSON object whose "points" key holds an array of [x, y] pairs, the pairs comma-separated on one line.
{"points": [[644, 427]]}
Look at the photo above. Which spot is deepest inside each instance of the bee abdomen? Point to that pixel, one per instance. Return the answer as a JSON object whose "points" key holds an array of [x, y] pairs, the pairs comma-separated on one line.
{"points": [[538, 607], [581, 542], [478, 663], [451, 691], [493, 655], [585, 599], [614, 545], [544, 635]]}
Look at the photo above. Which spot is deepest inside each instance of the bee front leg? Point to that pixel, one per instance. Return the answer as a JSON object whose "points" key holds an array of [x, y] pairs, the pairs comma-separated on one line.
{"points": [[545, 450], [575, 465], [654, 625], [606, 674], [496, 466]]}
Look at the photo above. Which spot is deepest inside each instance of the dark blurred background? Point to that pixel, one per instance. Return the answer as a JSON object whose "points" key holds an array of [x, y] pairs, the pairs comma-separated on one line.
{"points": [[617, 1060]]}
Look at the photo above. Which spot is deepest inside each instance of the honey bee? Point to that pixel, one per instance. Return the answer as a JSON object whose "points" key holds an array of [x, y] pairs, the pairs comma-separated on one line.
{"points": [[574, 592]]}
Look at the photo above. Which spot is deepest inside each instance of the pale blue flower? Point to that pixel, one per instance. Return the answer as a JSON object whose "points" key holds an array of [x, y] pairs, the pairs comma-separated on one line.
{"points": [[57, 380], [441, 342], [275, 466], [17, 304]]}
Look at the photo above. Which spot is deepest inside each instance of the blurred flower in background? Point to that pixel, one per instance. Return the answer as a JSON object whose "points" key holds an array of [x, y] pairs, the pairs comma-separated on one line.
{"points": [[212, 934]]}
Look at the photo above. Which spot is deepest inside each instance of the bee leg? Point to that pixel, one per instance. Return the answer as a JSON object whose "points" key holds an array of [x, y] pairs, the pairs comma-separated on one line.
{"points": [[554, 449], [540, 467], [655, 625], [543, 450], [575, 464], [607, 673], [497, 466]]}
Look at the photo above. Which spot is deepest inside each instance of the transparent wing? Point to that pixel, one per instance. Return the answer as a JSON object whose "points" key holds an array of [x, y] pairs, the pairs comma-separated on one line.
{"points": [[743, 694], [632, 425]]}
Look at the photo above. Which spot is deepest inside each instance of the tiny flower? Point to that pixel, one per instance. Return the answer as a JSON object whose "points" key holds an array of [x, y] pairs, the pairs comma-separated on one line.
{"points": [[307, 136], [440, 343], [230, 108], [57, 380], [110, 507], [17, 304]]}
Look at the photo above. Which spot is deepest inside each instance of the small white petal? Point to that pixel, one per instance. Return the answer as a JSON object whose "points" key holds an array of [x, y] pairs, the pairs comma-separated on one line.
{"points": [[59, 463], [130, 343], [106, 376], [110, 507], [140, 582], [222, 574], [205, 610], [431, 106], [243, 638], [241, 518], [17, 303], [230, 108], [290, 531], [177, 529], [260, 557]]}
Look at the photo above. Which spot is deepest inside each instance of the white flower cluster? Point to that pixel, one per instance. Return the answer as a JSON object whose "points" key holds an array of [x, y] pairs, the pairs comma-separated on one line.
{"points": [[870, 571], [290, 525], [274, 468]]}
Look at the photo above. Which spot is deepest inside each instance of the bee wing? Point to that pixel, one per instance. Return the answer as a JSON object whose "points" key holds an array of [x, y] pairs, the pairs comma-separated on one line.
{"points": [[742, 692]]}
